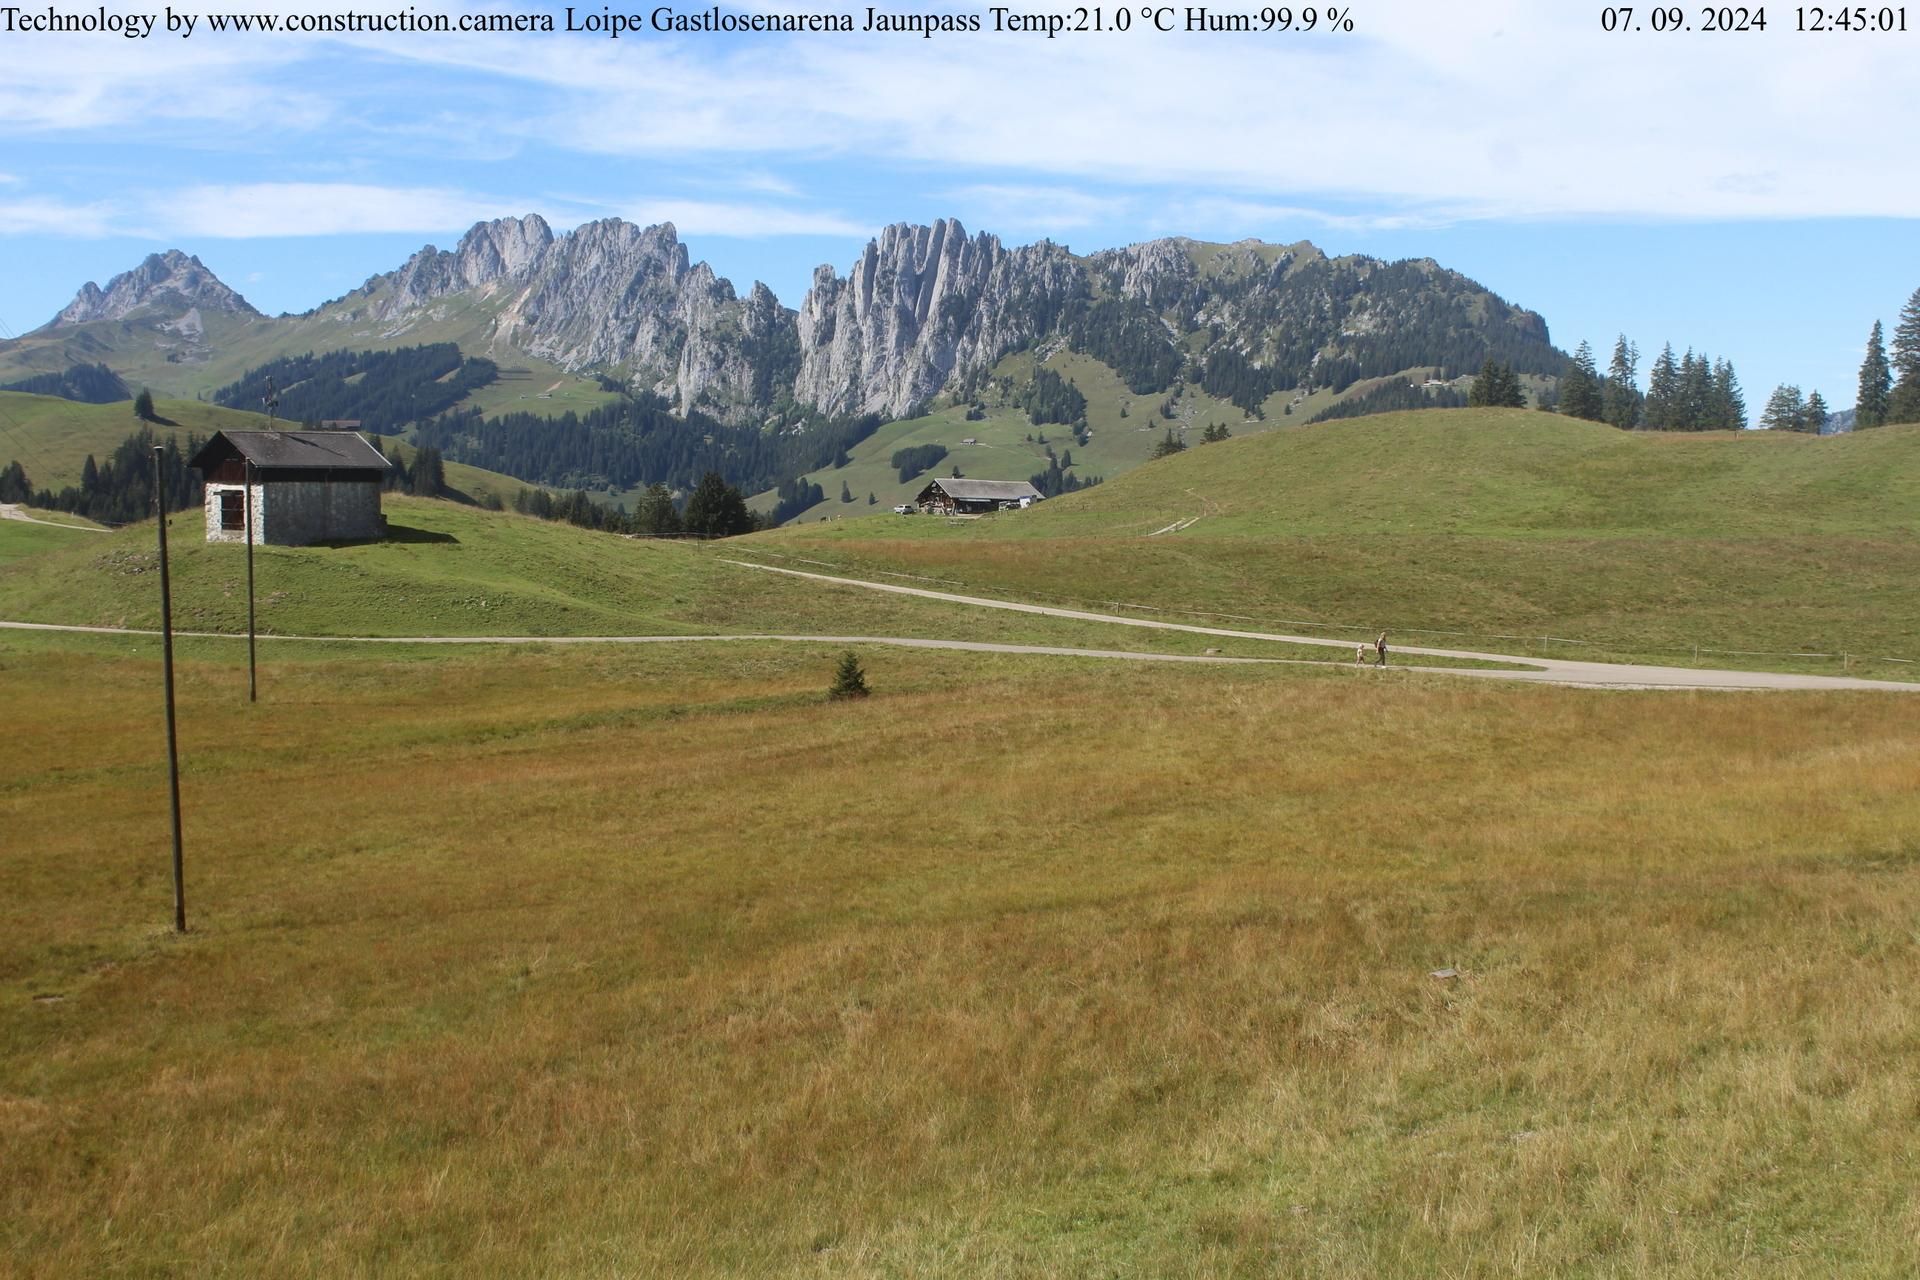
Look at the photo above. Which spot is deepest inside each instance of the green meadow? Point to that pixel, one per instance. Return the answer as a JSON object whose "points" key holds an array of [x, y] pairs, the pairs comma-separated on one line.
{"points": [[1496, 529], [625, 961], [648, 959]]}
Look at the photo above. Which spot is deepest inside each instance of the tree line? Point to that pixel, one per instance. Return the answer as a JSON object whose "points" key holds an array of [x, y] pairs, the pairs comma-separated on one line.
{"points": [[637, 442], [119, 490], [382, 390], [1395, 395], [86, 383], [714, 509], [1890, 388]]}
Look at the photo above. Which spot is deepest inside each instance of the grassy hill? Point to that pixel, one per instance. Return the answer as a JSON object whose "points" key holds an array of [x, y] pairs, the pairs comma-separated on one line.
{"points": [[1488, 522], [453, 570], [1124, 428], [52, 438], [147, 349]]}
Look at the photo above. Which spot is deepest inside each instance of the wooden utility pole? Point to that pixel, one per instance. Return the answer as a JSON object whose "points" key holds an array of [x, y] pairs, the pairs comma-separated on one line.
{"points": [[166, 650], [253, 686]]}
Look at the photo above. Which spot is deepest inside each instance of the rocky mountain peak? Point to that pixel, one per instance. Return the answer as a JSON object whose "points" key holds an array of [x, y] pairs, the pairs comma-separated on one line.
{"points": [[174, 280]]}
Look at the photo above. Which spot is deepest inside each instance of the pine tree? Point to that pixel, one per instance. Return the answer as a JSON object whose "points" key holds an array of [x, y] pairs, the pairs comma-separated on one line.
{"points": [[846, 494], [1817, 414], [1696, 394], [849, 681], [143, 406], [656, 517], [1785, 410], [716, 509], [89, 475], [1729, 403], [1663, 391], [1169, 446], [1580, 394], [1876, 383], [1621, 399], [1496, 386], [1905, 403]]}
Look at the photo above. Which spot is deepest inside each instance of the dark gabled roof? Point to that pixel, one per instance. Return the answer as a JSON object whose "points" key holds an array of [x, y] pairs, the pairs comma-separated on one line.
{"points": [[292, 451], [983, 490]]}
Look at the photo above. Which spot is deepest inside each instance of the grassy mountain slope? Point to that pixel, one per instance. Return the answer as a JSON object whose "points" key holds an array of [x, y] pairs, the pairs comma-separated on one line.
{"points": [[1490, 522], [449, 569], [1003, 451], [144, 351], [52, 438]]}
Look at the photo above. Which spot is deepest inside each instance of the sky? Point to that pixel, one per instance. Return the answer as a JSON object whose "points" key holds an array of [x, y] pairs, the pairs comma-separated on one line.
{"points": [[1754, 195]]}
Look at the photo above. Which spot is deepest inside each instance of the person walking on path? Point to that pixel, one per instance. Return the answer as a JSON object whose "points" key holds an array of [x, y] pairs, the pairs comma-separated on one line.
{"points": [[1380, 646], [1359, 655]]}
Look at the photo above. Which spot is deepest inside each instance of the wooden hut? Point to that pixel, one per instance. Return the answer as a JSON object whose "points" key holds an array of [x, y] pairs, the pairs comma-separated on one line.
{"points": [[304, 486], [976, 497]]}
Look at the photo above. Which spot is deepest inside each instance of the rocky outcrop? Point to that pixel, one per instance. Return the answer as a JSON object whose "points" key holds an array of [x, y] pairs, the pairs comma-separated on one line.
{"points": [[171, 281], [503, 249], [922, 311], [923, 306]]}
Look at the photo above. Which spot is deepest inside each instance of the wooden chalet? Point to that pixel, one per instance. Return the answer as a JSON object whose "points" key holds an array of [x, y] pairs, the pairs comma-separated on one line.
{"points": [[304, 486], [976, 497]]}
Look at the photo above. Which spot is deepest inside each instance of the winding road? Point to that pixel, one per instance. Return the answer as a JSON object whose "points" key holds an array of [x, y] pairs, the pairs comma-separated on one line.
{"points": [[1564, 671], [1595, 675]]}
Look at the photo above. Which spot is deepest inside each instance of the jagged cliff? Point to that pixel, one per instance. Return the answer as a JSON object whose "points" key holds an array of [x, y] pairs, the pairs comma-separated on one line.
{"points": [[172, 281], [924, 310]]}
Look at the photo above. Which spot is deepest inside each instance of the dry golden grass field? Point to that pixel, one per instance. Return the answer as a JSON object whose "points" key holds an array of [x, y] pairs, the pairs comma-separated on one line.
{"points": [[651, 962]]}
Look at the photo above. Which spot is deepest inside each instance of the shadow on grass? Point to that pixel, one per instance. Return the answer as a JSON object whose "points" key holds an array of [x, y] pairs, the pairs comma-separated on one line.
{"points": [[394, 533]]}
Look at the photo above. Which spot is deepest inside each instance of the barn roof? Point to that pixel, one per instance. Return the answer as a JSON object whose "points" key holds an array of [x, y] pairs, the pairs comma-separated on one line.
{"points": [[985, 490], [292, 451]]}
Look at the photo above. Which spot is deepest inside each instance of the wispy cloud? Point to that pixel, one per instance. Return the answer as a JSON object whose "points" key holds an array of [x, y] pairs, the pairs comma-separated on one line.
{"points": [[255, 210], [1417, 116], [41, 216]]}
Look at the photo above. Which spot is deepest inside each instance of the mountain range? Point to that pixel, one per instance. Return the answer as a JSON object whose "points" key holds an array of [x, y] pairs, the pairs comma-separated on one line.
{"points": [[925, 312]]}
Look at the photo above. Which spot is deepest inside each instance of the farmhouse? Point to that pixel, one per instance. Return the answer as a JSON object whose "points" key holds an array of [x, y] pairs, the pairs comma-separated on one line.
{"points": [[975, 497], [304, 486]]}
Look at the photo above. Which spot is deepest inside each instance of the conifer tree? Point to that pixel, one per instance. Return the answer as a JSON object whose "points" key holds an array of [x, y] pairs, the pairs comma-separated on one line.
{"points": [[1580, 394], [1730, 405], [1876, 383], [1696, 394], [1817, 414], [1496, 386], [1663, 391], [1785, 410], [1621, 399], [143, 406], [1904, 406], [849, 681]]}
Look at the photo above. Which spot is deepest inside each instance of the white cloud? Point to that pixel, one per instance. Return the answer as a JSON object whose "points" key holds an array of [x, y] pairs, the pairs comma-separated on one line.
{"points": [[42, 216], [1518, 111], [266, 209], [8, 180]]}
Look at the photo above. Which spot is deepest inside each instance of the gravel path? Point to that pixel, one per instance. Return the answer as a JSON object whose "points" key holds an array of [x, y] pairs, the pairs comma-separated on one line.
{"points": [[1592, 675]]}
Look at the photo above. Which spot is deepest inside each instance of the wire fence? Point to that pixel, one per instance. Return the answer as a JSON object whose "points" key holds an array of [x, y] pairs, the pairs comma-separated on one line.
{"points": [[1356, 629]]}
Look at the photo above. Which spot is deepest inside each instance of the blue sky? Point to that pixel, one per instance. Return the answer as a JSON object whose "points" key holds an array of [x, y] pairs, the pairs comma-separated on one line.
{"points": [[1753, 195]]}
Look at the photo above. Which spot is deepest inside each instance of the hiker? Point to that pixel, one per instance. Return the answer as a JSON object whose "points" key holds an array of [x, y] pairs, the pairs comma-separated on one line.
{"points": [[1360, 655], [1381, 646]]}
